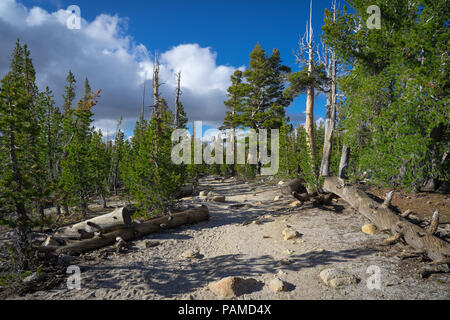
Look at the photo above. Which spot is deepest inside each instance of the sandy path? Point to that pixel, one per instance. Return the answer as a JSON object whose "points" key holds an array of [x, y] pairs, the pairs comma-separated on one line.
{"points": [[330, 238]]}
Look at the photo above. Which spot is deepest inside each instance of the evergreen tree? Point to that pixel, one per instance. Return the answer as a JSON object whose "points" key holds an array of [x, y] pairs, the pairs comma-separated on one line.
{"points": [[21, 161], [77, 179], [396, 111]]}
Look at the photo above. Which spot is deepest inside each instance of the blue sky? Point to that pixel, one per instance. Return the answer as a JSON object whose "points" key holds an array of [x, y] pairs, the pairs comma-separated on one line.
{"points": [[230, 28]]}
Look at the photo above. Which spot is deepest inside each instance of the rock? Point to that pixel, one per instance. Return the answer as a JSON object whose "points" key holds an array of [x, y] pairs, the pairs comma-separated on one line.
{"points": [[257, 222], [258, 203], [290, 233], [280, 183], [336, 278], [288, 252], [277, 198], [232, 286], [203, 194], [151, 244], [210, 194], [190, 254], [277, 285], [369, 229], [32, 278], [295, 204], [281, 273]]}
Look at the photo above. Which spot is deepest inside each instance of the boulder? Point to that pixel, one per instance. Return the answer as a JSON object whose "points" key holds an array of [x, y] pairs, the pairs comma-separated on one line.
{"points": [[336, 278], [231, 287]]}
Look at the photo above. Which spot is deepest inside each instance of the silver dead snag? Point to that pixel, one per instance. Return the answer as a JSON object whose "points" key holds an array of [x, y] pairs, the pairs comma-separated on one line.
{"points": [[330, 119]]}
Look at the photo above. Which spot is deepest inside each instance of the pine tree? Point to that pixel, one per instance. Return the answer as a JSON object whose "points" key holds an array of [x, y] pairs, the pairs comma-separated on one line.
{"points": [[21, 157], [180, 115], [77, 180], [396, 110]]}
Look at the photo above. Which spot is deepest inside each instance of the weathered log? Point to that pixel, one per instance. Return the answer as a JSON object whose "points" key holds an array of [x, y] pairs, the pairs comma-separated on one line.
{"points": [[295, 185], [104, 223], [134, 231], [185, 191], [386, 219]]}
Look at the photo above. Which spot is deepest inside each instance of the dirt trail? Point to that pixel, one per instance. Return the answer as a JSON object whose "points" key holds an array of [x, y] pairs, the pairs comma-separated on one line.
{"points": [[231, 244]]}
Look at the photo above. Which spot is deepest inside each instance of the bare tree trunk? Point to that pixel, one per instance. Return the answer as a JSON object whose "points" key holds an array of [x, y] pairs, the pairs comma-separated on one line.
{"points": [[343, 166], [330, 121], [309, 123], [177, 101]]}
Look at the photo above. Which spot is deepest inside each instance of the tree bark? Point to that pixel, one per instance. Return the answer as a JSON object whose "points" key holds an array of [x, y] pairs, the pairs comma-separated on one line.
{"points": [[134, 231], [343, 165], [386, 219], [330, 121]]}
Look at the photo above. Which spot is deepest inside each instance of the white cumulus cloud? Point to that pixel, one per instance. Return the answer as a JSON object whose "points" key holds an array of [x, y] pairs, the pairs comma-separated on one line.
{"points": [[114, 62]]}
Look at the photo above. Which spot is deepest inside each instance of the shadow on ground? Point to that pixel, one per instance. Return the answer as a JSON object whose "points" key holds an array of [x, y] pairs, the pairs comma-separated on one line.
{"points": [[165, 280]]}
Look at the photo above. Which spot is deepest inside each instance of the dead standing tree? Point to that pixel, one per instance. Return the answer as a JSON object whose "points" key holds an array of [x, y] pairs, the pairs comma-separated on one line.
{"points": [[330, 118], [305, 56], [177, 101]]}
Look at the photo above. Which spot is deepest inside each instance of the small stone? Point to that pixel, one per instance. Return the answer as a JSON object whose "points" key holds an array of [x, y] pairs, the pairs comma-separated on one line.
{"points": [[203, 194], [190, 254], [288, 252], [280, 183], [277, 198], [232, 286], [369, 229], [211, 194], [319, 250], [337, 278], [278, 285], [257, 222], [290, 234], [258, 203], [295, 204], [281, 273]]}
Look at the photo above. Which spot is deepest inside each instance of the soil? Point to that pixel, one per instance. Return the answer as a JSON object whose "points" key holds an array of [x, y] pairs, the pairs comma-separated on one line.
{"points": [[244, 238]]}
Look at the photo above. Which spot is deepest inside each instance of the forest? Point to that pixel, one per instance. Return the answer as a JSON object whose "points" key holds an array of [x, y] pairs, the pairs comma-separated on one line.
{"points": [[386, 126]]}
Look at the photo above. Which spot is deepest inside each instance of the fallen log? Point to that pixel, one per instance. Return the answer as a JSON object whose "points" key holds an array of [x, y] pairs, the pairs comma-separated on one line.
{"points": [[295, 185], [104, 223], [386, 219], [132, 232]]}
